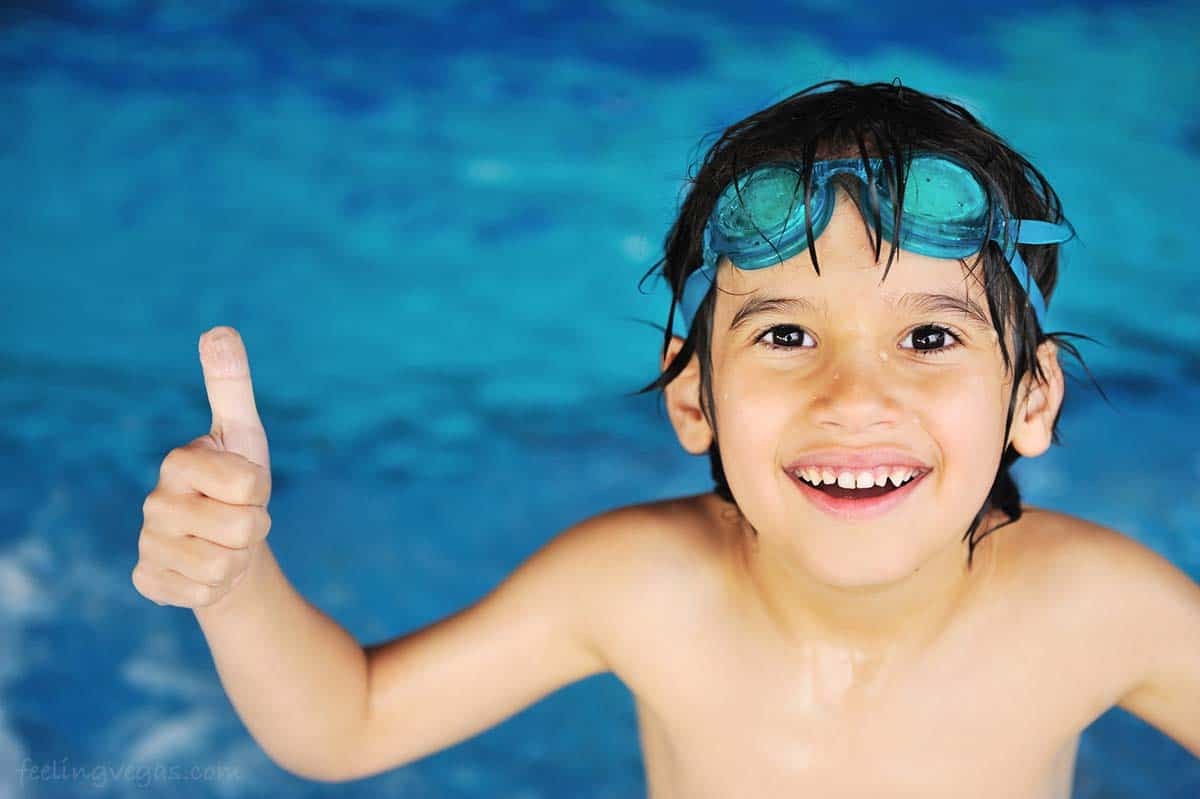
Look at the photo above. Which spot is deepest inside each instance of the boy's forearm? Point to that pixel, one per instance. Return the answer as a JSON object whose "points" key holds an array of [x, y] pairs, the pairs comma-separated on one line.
{"points": [[297, 679]]}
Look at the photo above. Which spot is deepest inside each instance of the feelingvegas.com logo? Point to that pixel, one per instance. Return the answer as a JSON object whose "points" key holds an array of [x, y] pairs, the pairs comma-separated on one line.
{"points": [[140, 774]]}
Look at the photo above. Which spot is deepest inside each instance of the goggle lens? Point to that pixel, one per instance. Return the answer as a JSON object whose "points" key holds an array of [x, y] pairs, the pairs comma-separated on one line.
{"points": [[767, 201], [942, 191]]}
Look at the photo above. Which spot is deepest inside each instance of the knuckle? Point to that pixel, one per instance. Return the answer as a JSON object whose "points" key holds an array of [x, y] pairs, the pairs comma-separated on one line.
{"points": [[140, 583], [218, 569], [247, 526], [240, 485], [253, 486], [145, 547], [151, 504], [249, 484], [170, 462], [238, 532], [260, 523]]}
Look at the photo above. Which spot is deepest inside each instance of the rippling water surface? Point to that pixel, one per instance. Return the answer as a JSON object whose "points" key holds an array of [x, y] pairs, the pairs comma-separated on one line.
{"points": [[429, 227]]}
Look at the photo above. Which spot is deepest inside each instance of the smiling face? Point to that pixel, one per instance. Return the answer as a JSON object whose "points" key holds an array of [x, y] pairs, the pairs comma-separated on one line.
{"points": [[861, 363]]}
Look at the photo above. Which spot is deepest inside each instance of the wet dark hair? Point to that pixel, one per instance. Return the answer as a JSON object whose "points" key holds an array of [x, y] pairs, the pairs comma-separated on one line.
{"points": [[839, 118]]}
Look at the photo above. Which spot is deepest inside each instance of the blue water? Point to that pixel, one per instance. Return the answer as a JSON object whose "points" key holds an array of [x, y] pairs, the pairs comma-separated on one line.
{"points": [[429, 227]]}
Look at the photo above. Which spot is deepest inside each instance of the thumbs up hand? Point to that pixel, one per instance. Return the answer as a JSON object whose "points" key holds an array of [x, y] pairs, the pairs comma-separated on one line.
{"points": [[207, 518]]}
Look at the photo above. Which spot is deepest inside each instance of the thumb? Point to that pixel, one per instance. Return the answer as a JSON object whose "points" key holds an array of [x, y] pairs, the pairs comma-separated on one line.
{"points": [[235, 423]]}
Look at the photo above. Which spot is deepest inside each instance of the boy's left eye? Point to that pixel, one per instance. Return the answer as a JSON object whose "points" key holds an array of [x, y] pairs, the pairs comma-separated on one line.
{"points": [[928, 339]]}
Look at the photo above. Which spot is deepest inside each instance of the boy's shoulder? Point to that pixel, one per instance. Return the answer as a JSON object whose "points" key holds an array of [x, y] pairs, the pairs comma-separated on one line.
{"points": [[1051, 551], [667, 545], [1118, 620], [650, 571]]}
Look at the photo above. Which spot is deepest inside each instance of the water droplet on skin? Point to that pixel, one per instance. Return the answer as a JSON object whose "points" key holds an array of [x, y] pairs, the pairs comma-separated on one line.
{"points": [[828, 674]]}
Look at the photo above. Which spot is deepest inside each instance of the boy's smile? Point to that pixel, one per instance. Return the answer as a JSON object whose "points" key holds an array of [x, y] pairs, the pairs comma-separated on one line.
{"points": [[827, 372]]}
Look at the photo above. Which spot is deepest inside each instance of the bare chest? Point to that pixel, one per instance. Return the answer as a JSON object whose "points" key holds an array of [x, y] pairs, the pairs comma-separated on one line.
{"points": [[996, 713], [755, 749]]}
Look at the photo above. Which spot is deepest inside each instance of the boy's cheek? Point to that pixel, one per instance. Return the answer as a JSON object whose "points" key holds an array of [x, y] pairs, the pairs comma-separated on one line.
{"points": [[756, 424]]}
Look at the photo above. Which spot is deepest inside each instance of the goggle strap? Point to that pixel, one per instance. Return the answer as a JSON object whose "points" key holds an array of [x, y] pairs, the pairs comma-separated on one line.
{"points": [[694, 290], [1035, 231], [1021, 270]]}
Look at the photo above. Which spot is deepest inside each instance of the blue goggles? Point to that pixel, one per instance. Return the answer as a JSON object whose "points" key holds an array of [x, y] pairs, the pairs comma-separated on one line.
{"points": [[759, 219]]}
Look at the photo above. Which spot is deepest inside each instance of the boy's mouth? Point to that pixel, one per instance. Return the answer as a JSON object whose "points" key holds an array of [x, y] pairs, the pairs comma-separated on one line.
{"points": [[858, 483], [836, 490], [877, 496]]}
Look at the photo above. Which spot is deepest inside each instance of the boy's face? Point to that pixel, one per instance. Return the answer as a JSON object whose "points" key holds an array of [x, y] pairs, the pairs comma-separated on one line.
{"points": [[854, 378]]}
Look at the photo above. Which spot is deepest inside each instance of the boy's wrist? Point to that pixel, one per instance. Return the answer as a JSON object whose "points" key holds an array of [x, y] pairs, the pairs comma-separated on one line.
{"points": [[234, 598]]}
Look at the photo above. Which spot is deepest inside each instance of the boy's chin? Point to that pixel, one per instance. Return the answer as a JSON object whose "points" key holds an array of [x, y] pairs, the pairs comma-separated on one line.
{"points": [[872, 562]]}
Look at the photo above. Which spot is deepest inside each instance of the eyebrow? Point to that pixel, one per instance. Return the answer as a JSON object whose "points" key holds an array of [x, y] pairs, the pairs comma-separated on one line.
{"points": [[922, 301]]}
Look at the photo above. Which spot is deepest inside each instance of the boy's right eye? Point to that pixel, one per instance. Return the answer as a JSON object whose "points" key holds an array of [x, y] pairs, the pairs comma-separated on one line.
{"points": [[791, 334]]}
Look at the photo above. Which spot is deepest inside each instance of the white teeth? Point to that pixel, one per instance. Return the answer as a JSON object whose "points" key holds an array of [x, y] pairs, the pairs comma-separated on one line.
{"points": [[824, 475]]}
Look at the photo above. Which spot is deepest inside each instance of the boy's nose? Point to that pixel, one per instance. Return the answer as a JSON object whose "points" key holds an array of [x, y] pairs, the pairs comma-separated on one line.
{"points": [[853, 391]]}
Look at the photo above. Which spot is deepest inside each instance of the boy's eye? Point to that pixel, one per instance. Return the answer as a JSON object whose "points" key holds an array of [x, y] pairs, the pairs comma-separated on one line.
{"points": [[788, 337], [932, 340], [926, 339]]}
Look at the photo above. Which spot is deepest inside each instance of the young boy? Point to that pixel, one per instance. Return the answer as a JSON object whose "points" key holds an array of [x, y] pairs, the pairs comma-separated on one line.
{"points": [[815, 626]]}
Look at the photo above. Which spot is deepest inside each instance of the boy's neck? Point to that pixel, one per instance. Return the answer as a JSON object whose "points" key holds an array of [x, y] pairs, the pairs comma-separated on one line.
{"points": [[905, 616]]}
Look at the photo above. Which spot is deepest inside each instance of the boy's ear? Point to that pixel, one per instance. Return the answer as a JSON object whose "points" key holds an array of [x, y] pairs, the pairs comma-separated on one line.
{"points": [[1038, 404], [683, 402]]}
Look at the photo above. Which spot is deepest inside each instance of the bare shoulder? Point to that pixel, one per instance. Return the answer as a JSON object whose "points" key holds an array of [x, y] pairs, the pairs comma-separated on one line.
{"points": [[1133, 615], [1090, 555], [664, 546], [655, 572]]}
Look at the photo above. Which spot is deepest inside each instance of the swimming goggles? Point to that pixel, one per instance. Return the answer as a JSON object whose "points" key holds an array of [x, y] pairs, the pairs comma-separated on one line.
{"points": [[759, 219]]}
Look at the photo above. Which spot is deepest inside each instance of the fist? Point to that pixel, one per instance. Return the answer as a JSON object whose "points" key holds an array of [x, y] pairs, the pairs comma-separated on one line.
{"points": [[207, 517]]}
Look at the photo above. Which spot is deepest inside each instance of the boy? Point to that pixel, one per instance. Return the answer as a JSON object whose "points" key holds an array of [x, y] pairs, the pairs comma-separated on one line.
{"points": [[814, 626]]}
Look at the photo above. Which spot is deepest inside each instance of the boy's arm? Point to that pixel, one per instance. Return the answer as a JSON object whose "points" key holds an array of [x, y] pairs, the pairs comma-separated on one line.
{"points": [[318, 703], [533, 633], [1161, 608], [296, 677], [325, 708]]}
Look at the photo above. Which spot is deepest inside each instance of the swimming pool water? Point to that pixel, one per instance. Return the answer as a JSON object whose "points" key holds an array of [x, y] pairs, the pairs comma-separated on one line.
{"points": [[429, 226]]}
